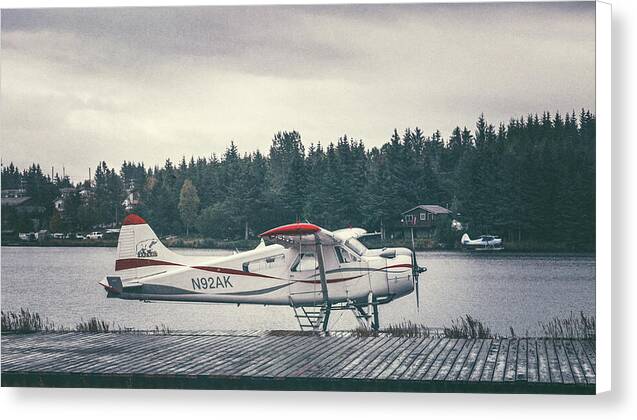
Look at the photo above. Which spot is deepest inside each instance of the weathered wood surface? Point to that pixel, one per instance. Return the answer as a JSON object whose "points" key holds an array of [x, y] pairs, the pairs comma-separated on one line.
{"points": [[338, 356]]}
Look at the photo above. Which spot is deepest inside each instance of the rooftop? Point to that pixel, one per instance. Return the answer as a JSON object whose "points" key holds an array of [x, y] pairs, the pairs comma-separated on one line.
{"points": [[431, 208]]}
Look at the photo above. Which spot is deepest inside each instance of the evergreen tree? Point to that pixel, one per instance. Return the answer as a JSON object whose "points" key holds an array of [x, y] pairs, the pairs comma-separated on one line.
{"points": [[188, 204]]}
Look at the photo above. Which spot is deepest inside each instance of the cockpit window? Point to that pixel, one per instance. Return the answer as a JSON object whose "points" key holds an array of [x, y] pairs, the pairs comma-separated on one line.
{"points": [[344, 255], [356, 246], [305, 262]]}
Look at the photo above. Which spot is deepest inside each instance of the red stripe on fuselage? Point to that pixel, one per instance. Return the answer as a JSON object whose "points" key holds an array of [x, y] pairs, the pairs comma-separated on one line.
{"points": [[128, 263], [233, 271]]}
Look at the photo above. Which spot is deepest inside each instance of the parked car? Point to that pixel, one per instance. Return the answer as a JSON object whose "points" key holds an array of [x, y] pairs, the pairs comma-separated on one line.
{"points": [[29, 236], [111, 234], [58, 236], [79, 236], [95, 235]]}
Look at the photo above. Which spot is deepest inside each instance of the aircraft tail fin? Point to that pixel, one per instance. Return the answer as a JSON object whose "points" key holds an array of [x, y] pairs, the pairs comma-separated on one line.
{"points": [[138, 246], [465, 238]]}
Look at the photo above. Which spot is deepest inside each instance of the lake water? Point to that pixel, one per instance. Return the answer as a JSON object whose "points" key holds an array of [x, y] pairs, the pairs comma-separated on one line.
{"points": [[502, 290]]}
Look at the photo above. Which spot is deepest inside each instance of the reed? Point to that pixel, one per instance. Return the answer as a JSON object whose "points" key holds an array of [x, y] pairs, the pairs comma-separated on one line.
{"points": [[161, 330], [401, 329], [24, 322], [574, 326], [362, 332], [93, 325], [467, 327], [408, 329]]}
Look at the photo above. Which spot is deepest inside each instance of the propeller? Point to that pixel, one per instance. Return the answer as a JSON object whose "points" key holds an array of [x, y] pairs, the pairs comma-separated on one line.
{"points": [[416, 269]]}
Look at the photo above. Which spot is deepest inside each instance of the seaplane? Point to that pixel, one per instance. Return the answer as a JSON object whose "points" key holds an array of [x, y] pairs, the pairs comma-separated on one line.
{"points": [[483, 243], [313, 270]]}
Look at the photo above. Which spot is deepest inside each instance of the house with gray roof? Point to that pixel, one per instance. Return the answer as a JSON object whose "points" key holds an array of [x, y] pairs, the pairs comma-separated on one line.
{"points": [[423, 218]]}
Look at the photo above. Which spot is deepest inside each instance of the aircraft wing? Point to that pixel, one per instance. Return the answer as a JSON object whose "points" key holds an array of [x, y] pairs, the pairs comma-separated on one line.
{"points": [[345, 234], [300, 233]]}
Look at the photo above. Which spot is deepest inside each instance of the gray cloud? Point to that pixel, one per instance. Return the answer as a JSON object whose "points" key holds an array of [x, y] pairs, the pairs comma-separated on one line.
{"points": [[187, 80]]}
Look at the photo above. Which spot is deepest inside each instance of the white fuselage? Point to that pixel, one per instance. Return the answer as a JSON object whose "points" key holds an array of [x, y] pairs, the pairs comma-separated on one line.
{"points": [[269, 275]]}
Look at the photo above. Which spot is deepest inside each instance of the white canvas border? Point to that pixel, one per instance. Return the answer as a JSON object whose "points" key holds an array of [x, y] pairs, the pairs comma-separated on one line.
{"points": [[603, 266]]}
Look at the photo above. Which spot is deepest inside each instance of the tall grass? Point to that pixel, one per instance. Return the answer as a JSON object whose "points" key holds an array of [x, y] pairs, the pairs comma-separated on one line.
{"points": [[24, 322], [408, 329], [93, 325], [467, 327], [574, 326], [161, 330], [401, 329]]}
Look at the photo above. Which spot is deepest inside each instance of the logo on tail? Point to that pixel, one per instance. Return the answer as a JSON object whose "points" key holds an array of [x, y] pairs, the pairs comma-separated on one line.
{"points": [[145, 248]]}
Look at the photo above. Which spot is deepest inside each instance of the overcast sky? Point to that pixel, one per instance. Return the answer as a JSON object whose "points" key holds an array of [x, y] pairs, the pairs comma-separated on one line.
{"points": [[146, 84]]}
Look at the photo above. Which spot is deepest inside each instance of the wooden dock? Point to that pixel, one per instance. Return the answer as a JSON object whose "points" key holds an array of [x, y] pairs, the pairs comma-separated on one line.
{"points": [[295, 361]]}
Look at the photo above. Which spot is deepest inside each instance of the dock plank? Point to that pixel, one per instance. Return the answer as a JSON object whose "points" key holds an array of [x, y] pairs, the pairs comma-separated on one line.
{"points": [[376, 359], [478, 367], [337, 351], [565, 368], [437, 363], [490, 362], [450, 360], [573, 362], [589, 372], [589, 348], [400, 358], [532, 360], [277, 356], [500, 363], [554, 364], [235, 357], [455, 370], [362, 357], [424, 361], [413, 359], [339, 365], [544, 371], [470, 361], [305, 361], [512, 360]]}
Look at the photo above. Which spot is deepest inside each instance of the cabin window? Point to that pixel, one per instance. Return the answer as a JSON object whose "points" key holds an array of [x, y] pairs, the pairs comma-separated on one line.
{"points": [[264, 263], [423, 216], [356, 246], [305, 262], [343, 255]]}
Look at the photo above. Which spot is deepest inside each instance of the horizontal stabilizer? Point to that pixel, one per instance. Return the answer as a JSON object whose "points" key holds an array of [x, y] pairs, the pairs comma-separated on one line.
{"points": [[113, 284]]}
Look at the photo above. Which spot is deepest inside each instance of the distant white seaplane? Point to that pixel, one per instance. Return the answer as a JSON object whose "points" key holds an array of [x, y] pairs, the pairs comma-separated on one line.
{"points": [[309, 268], [483, 243]]}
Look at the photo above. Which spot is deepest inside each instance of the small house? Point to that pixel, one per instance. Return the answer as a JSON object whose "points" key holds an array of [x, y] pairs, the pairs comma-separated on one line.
{"points": [[423, 218]]}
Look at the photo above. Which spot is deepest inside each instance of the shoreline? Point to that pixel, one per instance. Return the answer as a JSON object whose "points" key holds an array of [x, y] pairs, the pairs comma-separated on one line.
{"points": [[233, 245]]}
